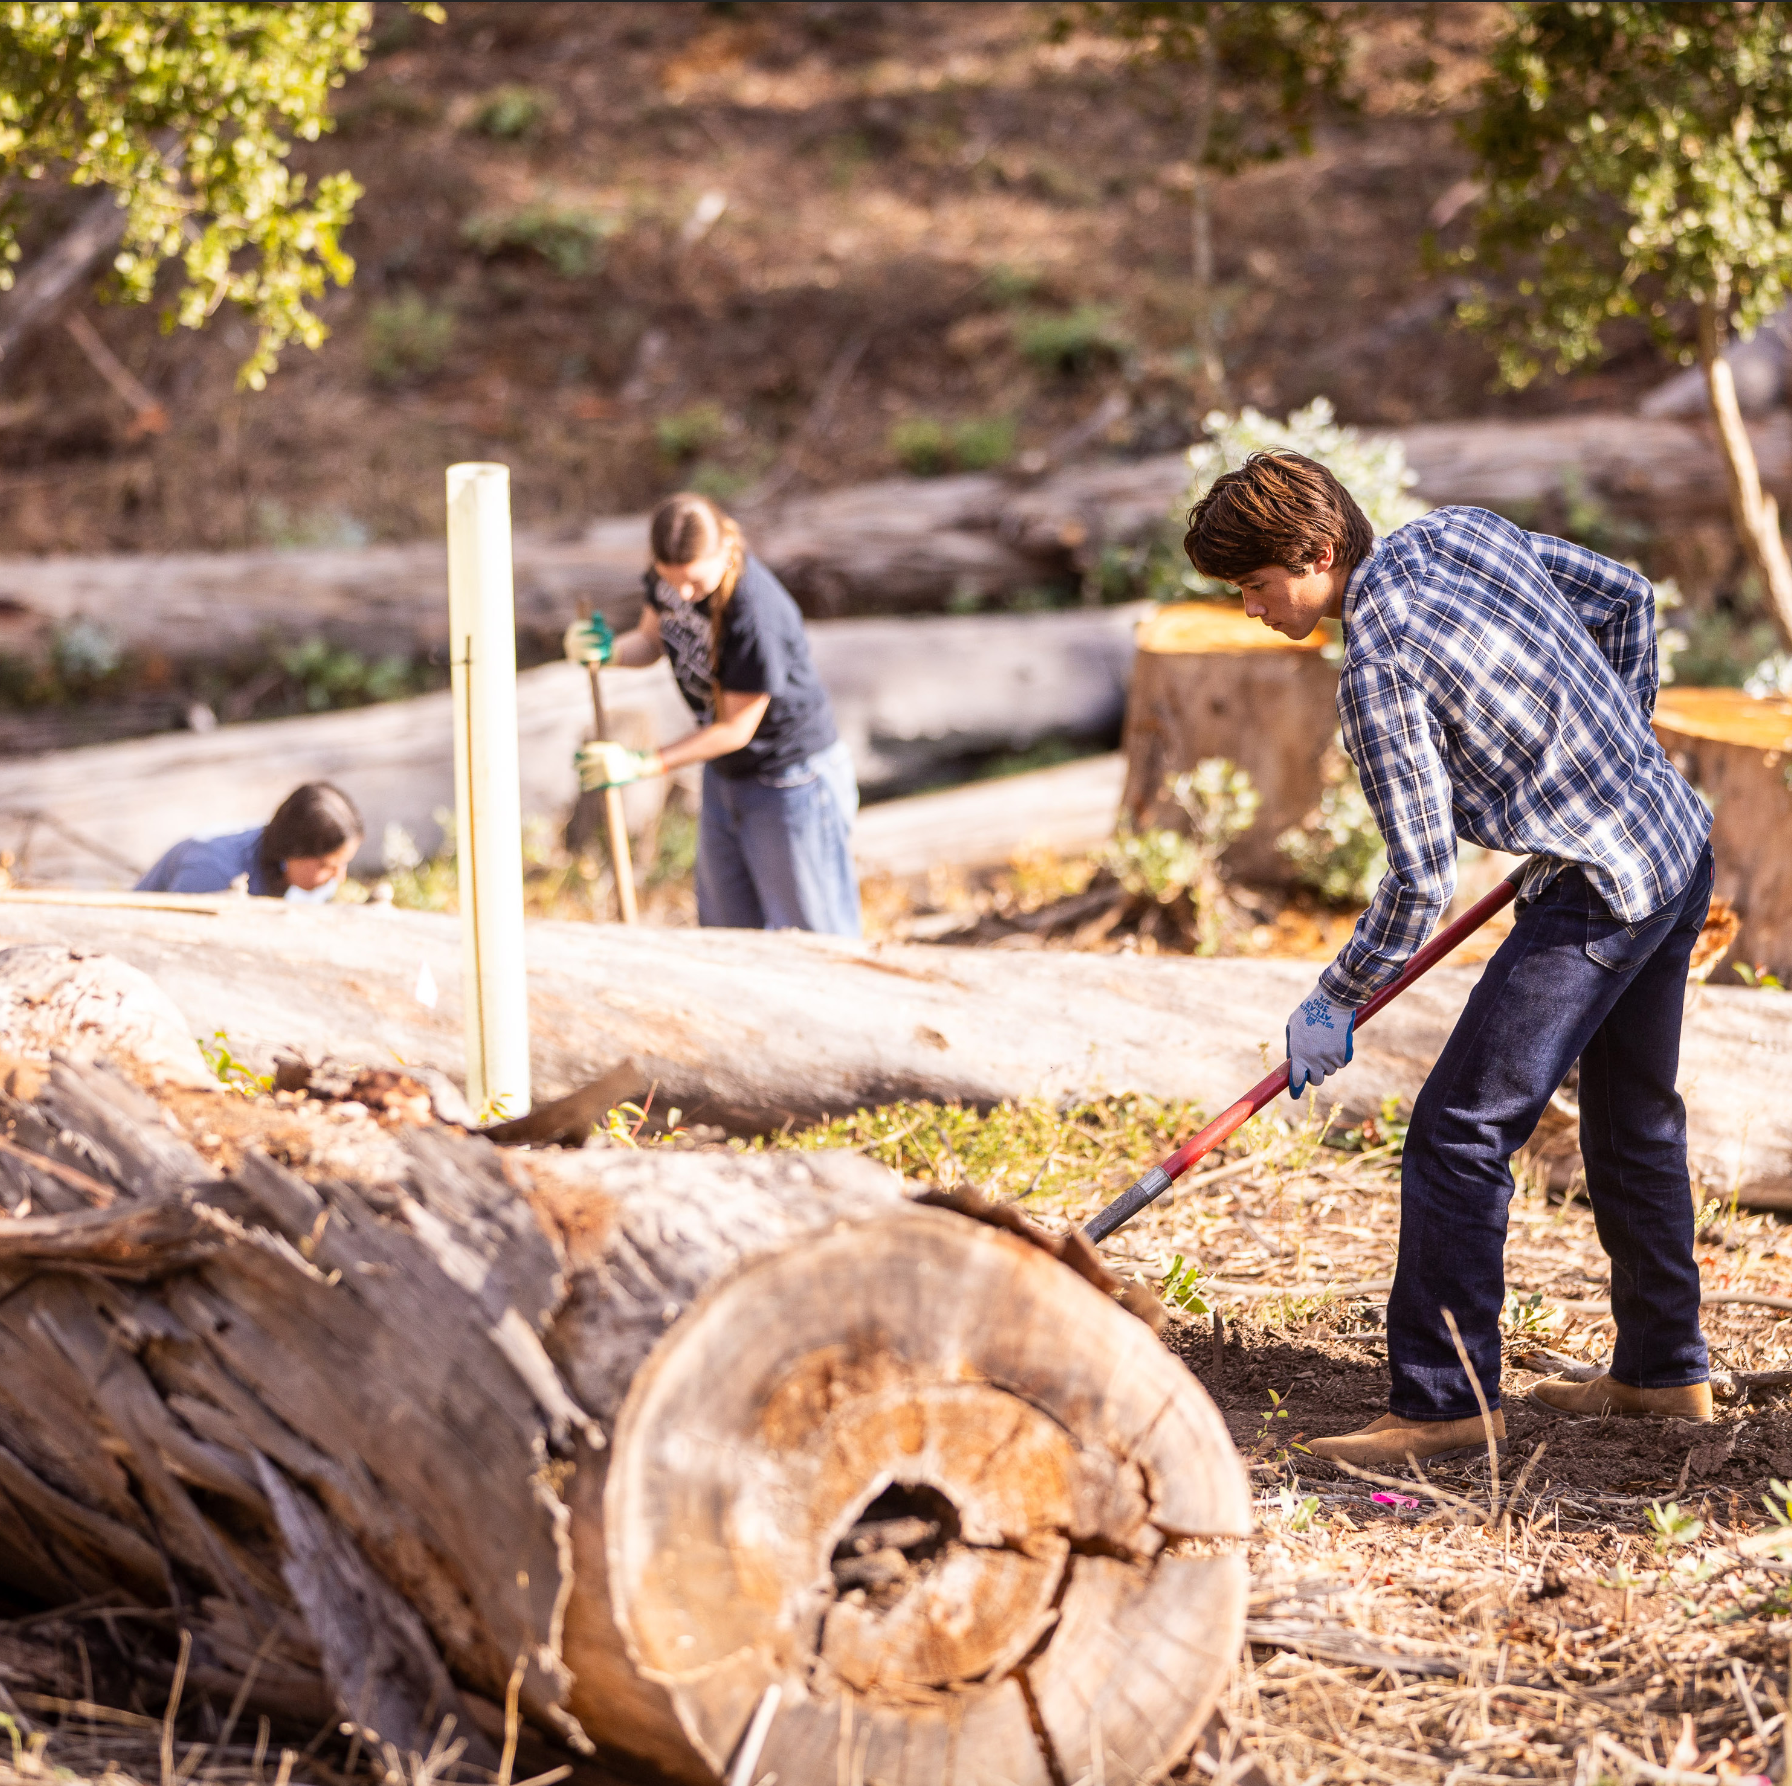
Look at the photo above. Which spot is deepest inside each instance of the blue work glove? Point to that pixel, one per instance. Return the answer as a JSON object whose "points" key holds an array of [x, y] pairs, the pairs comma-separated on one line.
{"points": [[590, 641], [1321, 1039], [606, 765]]}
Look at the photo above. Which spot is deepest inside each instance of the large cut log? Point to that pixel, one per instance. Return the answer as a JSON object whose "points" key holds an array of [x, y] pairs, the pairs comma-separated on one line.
{"points": [[1208, 682], [1738, 753], [909, 696], [902, 545], [660, 1443], [1069, 809], [751, 1029]]}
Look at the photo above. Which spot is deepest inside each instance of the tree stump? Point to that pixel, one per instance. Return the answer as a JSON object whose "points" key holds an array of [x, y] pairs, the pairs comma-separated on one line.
{"points": [[636, 1436], [1208, 682], [1737, 751]]}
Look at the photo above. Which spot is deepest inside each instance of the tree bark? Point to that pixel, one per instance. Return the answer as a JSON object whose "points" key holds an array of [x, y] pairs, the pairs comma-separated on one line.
{"points": [[751, 1030], [1207, 682], [40, 289], [1738, 753], [902, 546], [1756, 513], [610, 1426], [909, 696]]}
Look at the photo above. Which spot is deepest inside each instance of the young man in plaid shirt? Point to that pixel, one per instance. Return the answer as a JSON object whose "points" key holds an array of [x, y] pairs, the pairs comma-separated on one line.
{"points": [[1497, 688]]}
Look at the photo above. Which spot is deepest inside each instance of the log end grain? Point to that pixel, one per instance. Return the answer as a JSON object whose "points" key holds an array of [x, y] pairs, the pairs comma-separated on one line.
{"points": [[1207, 629], [939, 1499]]}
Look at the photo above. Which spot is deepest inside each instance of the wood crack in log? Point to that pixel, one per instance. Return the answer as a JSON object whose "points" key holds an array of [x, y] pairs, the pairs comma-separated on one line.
{"points": [[669, 1430]]}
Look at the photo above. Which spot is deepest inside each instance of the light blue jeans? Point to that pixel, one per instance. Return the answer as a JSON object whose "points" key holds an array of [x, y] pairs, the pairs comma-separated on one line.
{"points": [[776, 853]]}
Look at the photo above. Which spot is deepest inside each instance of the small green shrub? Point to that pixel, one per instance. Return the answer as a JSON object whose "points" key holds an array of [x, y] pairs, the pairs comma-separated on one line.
{"points": [[1338, 850], [1072, 342], [510, 112], [1008, 286], [330, 677], [408, 338], [720, 483], [565, 236], [920, 446], [1221, 804], [925, 447], [690, 431], [983, 442]]}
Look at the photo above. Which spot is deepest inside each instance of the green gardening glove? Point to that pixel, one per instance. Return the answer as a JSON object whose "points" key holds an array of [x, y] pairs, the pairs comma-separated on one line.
{"points": [[604, 765], [590, 641]]}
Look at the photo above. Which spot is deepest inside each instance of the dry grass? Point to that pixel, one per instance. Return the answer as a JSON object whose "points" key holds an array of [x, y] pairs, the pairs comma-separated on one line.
{"points": [[1614, 1610], [1603, 1618]]}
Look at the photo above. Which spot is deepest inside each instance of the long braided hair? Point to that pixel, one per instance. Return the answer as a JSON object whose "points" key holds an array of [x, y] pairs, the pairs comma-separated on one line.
{"points": [[687, 527]]}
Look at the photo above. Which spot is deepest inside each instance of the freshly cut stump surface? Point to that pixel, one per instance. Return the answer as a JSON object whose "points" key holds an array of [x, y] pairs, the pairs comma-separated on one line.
{"points": [[930, 1487]]}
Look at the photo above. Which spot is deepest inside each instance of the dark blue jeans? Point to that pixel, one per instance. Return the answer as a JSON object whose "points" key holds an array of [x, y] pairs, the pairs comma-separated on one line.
{"points": [[777, 854], [1570, 983]]}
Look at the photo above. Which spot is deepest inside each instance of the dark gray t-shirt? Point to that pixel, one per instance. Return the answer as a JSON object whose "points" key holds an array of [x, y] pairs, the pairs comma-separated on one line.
{"points": [[763, 652]]}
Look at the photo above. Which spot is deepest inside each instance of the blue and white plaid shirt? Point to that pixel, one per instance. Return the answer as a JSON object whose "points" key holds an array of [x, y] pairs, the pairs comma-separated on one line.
{"points": [[1497, 687]]}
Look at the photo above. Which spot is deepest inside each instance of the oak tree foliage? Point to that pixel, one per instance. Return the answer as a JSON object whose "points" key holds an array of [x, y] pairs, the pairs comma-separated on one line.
{"points": [[188, 110], [1635, 159]]}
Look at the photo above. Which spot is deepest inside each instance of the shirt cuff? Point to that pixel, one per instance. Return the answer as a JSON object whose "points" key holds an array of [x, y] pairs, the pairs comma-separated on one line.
{"points": [[1345, 988]]}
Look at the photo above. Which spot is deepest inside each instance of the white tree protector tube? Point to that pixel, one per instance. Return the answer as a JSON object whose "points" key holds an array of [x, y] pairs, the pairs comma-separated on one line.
{"points": [[487, 797]]}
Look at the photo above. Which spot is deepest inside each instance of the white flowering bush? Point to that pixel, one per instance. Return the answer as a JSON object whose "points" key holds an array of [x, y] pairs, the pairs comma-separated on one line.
{"points": [[1372, 467], [1771, 676]]}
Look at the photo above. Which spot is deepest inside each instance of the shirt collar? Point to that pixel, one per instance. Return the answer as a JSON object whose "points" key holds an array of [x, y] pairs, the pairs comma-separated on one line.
{"points": [[1358, 577]]}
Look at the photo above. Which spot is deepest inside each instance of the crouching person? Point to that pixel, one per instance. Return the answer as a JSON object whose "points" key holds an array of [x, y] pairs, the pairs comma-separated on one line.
{"points": [[300, 854], [1497, 687]]}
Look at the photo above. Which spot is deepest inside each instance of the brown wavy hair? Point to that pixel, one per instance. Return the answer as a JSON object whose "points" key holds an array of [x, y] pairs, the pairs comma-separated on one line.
{"points": [[1276, 508], [315, 819], [687, 527]]}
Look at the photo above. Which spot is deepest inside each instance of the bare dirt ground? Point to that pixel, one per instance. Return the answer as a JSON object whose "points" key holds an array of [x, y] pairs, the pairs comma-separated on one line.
{"points": [[910, 190], [1617, 1605], [1614, 1590]]}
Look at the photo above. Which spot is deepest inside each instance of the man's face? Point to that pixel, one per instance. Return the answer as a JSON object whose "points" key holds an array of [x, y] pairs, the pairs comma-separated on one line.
{"points": [[1294, 602]]}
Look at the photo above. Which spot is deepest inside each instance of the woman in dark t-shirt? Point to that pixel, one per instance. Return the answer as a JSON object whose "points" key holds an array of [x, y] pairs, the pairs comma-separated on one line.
{"points": [[774, 842]]}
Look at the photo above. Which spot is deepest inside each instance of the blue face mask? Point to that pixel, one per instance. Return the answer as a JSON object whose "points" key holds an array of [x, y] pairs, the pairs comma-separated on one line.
{"points": [[314, 895]]}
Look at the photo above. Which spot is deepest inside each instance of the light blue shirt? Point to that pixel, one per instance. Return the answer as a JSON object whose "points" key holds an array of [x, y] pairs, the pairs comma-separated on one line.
{"points": [[209, 865]]}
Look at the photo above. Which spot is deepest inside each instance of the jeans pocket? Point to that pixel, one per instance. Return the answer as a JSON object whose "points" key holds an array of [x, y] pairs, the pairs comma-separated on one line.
{"points": [[798, 775], [1624, 947]]}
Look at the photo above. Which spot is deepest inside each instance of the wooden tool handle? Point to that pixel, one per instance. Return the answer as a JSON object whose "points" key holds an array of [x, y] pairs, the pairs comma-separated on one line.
{"points": [[614, 823]]}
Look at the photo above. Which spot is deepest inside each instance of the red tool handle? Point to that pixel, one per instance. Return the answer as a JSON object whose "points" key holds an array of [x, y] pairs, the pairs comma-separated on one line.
{"points": [[1160, 1178]]}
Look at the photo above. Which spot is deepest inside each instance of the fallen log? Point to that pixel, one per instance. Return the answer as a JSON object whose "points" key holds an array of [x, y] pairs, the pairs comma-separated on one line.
{"points": [[750, 1030], [898, 546], [1208, 682], [1738, 753], [1069, 809], [647, 1446], [909, 696]]}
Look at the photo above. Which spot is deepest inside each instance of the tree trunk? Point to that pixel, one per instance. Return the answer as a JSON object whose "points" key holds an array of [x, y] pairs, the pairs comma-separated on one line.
{"points": [[40, 289], [640, 1437], [1070, 809], [751, 1030], [909, 696], [901, 546], [1207, 334], [1207, 682], [1756, 513], [1738, 753]]}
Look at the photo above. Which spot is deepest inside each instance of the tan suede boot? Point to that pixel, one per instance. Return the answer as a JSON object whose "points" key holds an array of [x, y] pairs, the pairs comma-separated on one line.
{"points": [[1385, 1444], [1603, 1395]]}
